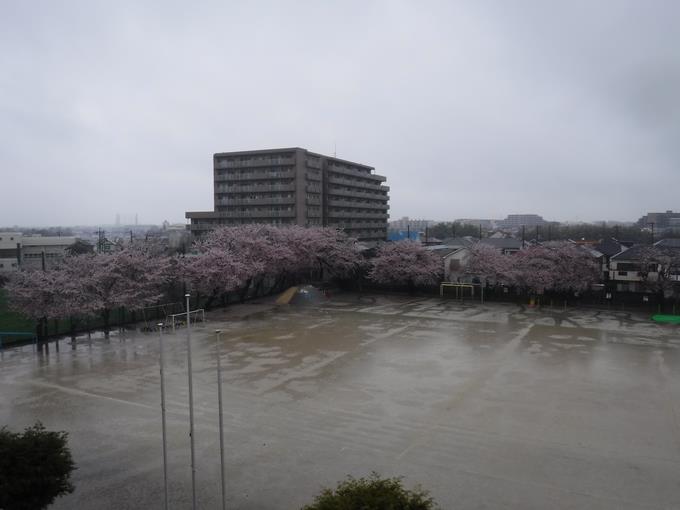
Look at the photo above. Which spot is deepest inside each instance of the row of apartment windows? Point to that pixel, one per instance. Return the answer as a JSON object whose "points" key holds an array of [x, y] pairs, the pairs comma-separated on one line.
{"points": [[274, 208], [358, 201], [269, 157], [346, 166], [259, 186], [274, 173], [256, 196], [370, 212], [372, 193], [39, 255]]}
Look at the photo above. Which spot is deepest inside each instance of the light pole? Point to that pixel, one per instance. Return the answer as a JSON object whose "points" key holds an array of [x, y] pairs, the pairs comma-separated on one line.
{"points": [[165, 442], [218, 333], [191, 408]]}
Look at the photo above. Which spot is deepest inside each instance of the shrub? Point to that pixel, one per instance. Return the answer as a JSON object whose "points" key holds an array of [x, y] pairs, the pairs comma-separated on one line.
{"points": [[35, 468], [372, 493]]}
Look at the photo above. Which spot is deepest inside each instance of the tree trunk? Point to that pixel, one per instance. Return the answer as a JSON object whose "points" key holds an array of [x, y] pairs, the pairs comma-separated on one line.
{"points": [[72, 324], [105, 315], [210, 300], [244, 292]]}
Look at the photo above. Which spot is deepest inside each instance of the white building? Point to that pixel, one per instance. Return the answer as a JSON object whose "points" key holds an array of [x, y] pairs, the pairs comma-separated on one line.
{"points": [[10, 247], [43, 252], [31, 252]]}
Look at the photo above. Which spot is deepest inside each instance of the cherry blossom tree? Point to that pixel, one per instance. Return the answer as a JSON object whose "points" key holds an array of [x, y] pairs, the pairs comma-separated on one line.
{"points": [[36, 295], [246, 255], [130, 278], [324, 248], [488, 263], [405, 263], [664, 263], [558, 266], [576, 269]]}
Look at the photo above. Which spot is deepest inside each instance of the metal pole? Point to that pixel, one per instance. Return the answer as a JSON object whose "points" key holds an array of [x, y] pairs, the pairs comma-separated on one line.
{"points": [[218, 333], [165, 442], [191, 408]]}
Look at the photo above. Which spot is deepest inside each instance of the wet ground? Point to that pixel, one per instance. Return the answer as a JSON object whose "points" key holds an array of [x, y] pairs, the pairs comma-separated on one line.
{"points": [[489, 407]]}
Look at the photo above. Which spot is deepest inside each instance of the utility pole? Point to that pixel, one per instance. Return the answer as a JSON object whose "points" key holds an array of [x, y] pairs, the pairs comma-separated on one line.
{"points": [[522, 236], [453, 229], [537, 227], [426, 235], [480, 231], [652, 224], [408, 231]]}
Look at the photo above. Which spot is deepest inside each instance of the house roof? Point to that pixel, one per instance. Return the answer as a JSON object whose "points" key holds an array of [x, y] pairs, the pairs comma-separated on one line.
{"points": [[443, 250], [457, 241], [632, 253], [609, 247], [635, 252], [668, 243], [506, 243]]}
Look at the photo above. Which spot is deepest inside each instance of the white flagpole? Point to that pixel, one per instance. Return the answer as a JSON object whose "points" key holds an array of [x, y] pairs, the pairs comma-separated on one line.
{"points": [[218, 334], [165, 441], [191, 408]]}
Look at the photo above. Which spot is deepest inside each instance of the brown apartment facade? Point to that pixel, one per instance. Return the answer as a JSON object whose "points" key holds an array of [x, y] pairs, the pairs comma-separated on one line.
{"points": [[296, 187]]}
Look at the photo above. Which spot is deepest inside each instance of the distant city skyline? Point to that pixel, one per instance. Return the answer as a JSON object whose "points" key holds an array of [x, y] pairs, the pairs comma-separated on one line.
{"points": [[470, 109]]}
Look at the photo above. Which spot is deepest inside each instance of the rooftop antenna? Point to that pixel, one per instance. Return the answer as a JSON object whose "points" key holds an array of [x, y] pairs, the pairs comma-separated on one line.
{"points": [[335, 149]]}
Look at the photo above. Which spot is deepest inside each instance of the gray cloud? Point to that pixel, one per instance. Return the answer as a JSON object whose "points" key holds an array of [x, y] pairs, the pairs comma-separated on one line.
{"points": [[470, 108]]}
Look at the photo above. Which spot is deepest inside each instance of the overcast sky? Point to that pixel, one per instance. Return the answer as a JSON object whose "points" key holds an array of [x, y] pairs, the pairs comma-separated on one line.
{"points": [[471, 109]]}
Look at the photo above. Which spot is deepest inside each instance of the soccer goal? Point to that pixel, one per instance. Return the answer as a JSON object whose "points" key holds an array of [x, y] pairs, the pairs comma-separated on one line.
{"points": [[179, 319], [462, 291]]}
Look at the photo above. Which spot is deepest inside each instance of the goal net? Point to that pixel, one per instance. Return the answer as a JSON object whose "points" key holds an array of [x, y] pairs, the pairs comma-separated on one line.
{"points": [[462, 291], [180, 319]]}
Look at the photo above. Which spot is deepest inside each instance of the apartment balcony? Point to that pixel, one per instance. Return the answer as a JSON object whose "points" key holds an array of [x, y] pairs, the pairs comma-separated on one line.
{"points": [[254, 201], [357, 205], [203, 227], [258, 188], [357, 184], [367, 194], [255, 214], [360, 226], [312, 177], [358, 215], [313, 188], [256, 176], [314, 163], [313, 200], [256, 162], [356, 173]]}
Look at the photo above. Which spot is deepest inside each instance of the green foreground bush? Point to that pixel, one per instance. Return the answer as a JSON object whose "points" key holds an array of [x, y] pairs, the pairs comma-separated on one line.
{"points": [[372, 493], [35, 468]]}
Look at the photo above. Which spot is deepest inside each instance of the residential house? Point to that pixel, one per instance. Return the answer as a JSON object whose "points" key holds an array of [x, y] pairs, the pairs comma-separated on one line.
{"points": [[454, 259], [506, 245]]}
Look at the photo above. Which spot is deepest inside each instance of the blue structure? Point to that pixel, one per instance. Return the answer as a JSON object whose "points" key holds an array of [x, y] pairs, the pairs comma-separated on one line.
{"points": [[400, 235]]}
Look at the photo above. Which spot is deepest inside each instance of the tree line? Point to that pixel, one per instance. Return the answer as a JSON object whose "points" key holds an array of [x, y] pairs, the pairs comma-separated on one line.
{"points": [[241, 260]]}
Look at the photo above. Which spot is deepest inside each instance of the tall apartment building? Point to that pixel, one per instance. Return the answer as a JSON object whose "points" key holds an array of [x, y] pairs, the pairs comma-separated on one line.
{"points": [[517, 221], [295, 187], [660, 220]]}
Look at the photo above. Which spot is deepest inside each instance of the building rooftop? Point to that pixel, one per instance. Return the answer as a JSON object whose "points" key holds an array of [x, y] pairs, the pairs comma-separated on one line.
{"points": [[506, 243]]}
